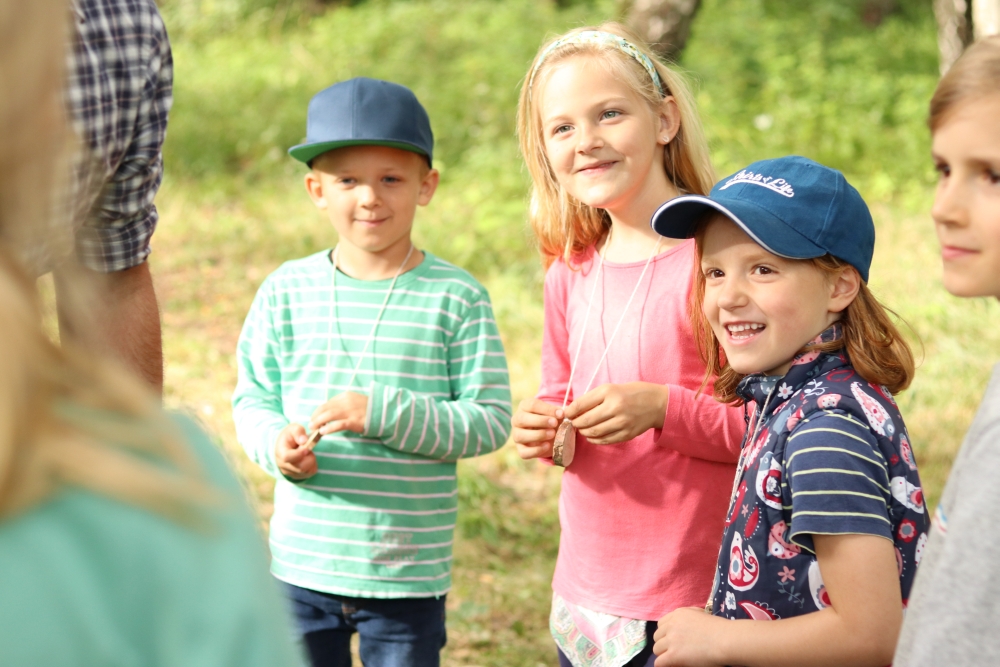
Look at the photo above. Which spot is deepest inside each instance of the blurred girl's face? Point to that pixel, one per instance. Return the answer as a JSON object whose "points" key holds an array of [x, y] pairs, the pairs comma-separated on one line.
{"points": [[764, 308], [604, 143], [966, 211]]}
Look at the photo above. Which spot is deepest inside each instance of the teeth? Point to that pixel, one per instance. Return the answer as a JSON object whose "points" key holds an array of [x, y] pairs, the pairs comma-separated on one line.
{"points": [[736, 328]]}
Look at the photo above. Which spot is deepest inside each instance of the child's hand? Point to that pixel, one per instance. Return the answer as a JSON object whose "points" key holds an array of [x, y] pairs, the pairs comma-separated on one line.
{"points": [[686, 637], [614, 413], [535, 424], [294, 459], [344, 412]]}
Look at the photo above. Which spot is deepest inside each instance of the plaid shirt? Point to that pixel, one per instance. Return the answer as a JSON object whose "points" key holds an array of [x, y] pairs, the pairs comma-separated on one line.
{"points": [[118, 92]]}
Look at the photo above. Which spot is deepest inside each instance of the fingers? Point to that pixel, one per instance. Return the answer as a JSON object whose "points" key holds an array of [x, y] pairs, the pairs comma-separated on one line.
{"points": [[334, 426], [535, 424], [324, 414], [533, 436], [615, 430], [587, 402], [527, 452], [539, 407], [294, 434], [304, 470], [529, 420]]}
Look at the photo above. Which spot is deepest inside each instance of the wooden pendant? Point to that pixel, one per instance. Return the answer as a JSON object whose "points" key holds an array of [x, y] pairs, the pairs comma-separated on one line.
{"points": [[564, 445], [313, 439]]}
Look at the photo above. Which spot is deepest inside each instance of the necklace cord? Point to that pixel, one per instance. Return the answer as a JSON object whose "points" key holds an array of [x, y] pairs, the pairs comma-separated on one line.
{"points": [[586, 319], [378, 318]]}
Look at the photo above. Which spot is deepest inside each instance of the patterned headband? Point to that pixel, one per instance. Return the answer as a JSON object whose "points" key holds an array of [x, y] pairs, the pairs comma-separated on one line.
{"points": [[600, 38]]}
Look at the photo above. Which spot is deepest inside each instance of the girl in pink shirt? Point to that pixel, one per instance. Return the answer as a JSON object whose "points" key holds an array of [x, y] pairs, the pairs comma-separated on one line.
{"points": [[609, 134]]}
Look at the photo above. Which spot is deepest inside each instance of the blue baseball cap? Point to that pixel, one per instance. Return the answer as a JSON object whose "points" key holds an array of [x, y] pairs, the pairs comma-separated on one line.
{"points": [[793, 207], [363, 111]]}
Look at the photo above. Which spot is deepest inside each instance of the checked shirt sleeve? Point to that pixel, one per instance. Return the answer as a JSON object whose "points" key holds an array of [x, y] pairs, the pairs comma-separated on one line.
{"points": [[474, 420], [257, 406], [119, 91]]}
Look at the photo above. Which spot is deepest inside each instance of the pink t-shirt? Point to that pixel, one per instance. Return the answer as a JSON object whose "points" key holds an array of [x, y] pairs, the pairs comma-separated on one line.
{"points": [[642, 520]]}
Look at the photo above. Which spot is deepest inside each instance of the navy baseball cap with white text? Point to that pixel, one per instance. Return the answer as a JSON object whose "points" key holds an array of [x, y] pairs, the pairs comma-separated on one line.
{"points": [[363, 111], [791, 206]]}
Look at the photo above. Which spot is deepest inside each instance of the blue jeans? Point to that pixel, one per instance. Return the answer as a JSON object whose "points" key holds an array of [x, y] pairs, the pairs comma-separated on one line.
{"points": [[393, 633]]}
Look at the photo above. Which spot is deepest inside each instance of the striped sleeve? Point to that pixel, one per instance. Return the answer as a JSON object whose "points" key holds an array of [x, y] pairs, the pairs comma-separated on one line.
{"points": [[474, 420], [257, 406], [837, 480]]}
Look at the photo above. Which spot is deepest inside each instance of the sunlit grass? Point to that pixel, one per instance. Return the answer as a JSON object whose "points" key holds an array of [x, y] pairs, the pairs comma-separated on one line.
{"points": [[233, 209]]}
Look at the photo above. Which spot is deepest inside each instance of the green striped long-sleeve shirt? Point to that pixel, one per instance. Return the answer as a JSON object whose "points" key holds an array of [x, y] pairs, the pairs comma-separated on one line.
{"points": [[378, 518]]}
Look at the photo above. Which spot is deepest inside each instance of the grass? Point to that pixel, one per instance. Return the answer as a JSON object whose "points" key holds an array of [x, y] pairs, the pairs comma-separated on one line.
{"points": [[233, 208]]}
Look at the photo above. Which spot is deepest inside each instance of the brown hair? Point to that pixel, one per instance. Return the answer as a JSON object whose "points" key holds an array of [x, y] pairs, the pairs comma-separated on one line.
{"points": [[976, 74], [874, 346], [564, 226], [67, 416]]}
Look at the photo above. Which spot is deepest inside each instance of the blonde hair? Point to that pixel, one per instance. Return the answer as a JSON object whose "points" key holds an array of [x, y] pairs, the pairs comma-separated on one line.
{"points": [[564, 226], [67, 417], [976, 74], [874, 346]]}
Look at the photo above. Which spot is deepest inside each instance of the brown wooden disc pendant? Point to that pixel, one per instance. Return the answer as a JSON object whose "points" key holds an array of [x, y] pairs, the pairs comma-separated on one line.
{"points": [[564, 445]]}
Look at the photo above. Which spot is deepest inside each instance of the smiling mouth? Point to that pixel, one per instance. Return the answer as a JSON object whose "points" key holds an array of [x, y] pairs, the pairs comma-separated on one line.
{"points": [[950, 252], [744, 330], [595, 168]]}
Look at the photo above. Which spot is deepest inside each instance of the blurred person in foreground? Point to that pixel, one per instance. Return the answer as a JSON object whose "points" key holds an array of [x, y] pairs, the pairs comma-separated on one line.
{"points": [[124, 539], [953, 613]]}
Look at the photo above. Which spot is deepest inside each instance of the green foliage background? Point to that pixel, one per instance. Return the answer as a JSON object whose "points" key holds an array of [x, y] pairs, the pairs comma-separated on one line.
{"points": [[773, 77]]}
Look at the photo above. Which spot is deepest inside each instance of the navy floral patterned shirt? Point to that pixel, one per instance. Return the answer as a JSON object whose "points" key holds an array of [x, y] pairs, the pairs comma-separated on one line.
{"points": [[827, 453]]}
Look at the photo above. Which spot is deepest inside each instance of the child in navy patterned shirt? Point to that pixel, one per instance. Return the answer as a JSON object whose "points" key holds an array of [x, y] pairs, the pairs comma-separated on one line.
{"points": [[827, 522]]}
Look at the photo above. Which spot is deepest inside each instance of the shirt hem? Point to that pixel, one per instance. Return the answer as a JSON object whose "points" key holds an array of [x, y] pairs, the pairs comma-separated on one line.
{"points": [[621, 612], [348, 592]]}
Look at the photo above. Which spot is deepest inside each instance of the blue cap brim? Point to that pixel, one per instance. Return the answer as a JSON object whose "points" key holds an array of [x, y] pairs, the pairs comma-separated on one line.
{"points": [[679, 217], [308, 152]]}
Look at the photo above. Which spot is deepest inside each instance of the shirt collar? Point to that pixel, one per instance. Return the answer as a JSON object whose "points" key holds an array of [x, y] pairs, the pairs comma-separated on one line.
{"points": [[757, 386]]}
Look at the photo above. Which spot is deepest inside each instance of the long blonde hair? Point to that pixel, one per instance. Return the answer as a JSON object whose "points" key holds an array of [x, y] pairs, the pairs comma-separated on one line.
{"points": [[974, 75], [67, 416], [563, 225]]}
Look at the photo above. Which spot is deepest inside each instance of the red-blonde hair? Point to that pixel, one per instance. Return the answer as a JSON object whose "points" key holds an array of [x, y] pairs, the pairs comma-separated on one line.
{"points": [[874, 346]]}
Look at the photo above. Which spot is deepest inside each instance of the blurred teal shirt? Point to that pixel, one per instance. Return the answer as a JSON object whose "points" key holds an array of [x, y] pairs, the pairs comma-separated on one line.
{"points": [[87, 580]]}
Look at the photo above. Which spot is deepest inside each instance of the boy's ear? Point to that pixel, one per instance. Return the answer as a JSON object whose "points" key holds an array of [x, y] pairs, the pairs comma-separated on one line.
{"points": [[844, 289], [314, 186], [428, 187], [670, 121]]}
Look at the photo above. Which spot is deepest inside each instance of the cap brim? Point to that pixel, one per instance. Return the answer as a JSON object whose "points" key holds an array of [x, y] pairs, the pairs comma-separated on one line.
{"points": [[679, 217], [308, 152]]}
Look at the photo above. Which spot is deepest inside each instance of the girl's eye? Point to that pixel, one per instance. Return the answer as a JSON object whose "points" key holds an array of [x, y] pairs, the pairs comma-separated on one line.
{"points": [[993, 176], [347, 181], [942, 169], [610, 113], [713, 273], [762, 270], [391, 179], [562, 129]]}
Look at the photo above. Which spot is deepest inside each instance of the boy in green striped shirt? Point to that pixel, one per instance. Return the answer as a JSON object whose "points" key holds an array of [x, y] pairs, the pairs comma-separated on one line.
{"points": [[365, 373]]}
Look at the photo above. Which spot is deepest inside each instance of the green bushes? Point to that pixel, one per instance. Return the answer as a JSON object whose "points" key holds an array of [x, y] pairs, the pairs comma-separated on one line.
{"points": [[775, 77], [781, 77]]}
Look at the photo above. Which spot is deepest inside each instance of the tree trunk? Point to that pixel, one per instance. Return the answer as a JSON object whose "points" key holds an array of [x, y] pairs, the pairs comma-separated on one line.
{"points": [[954, 30], [664, 24], [986, 17]]}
